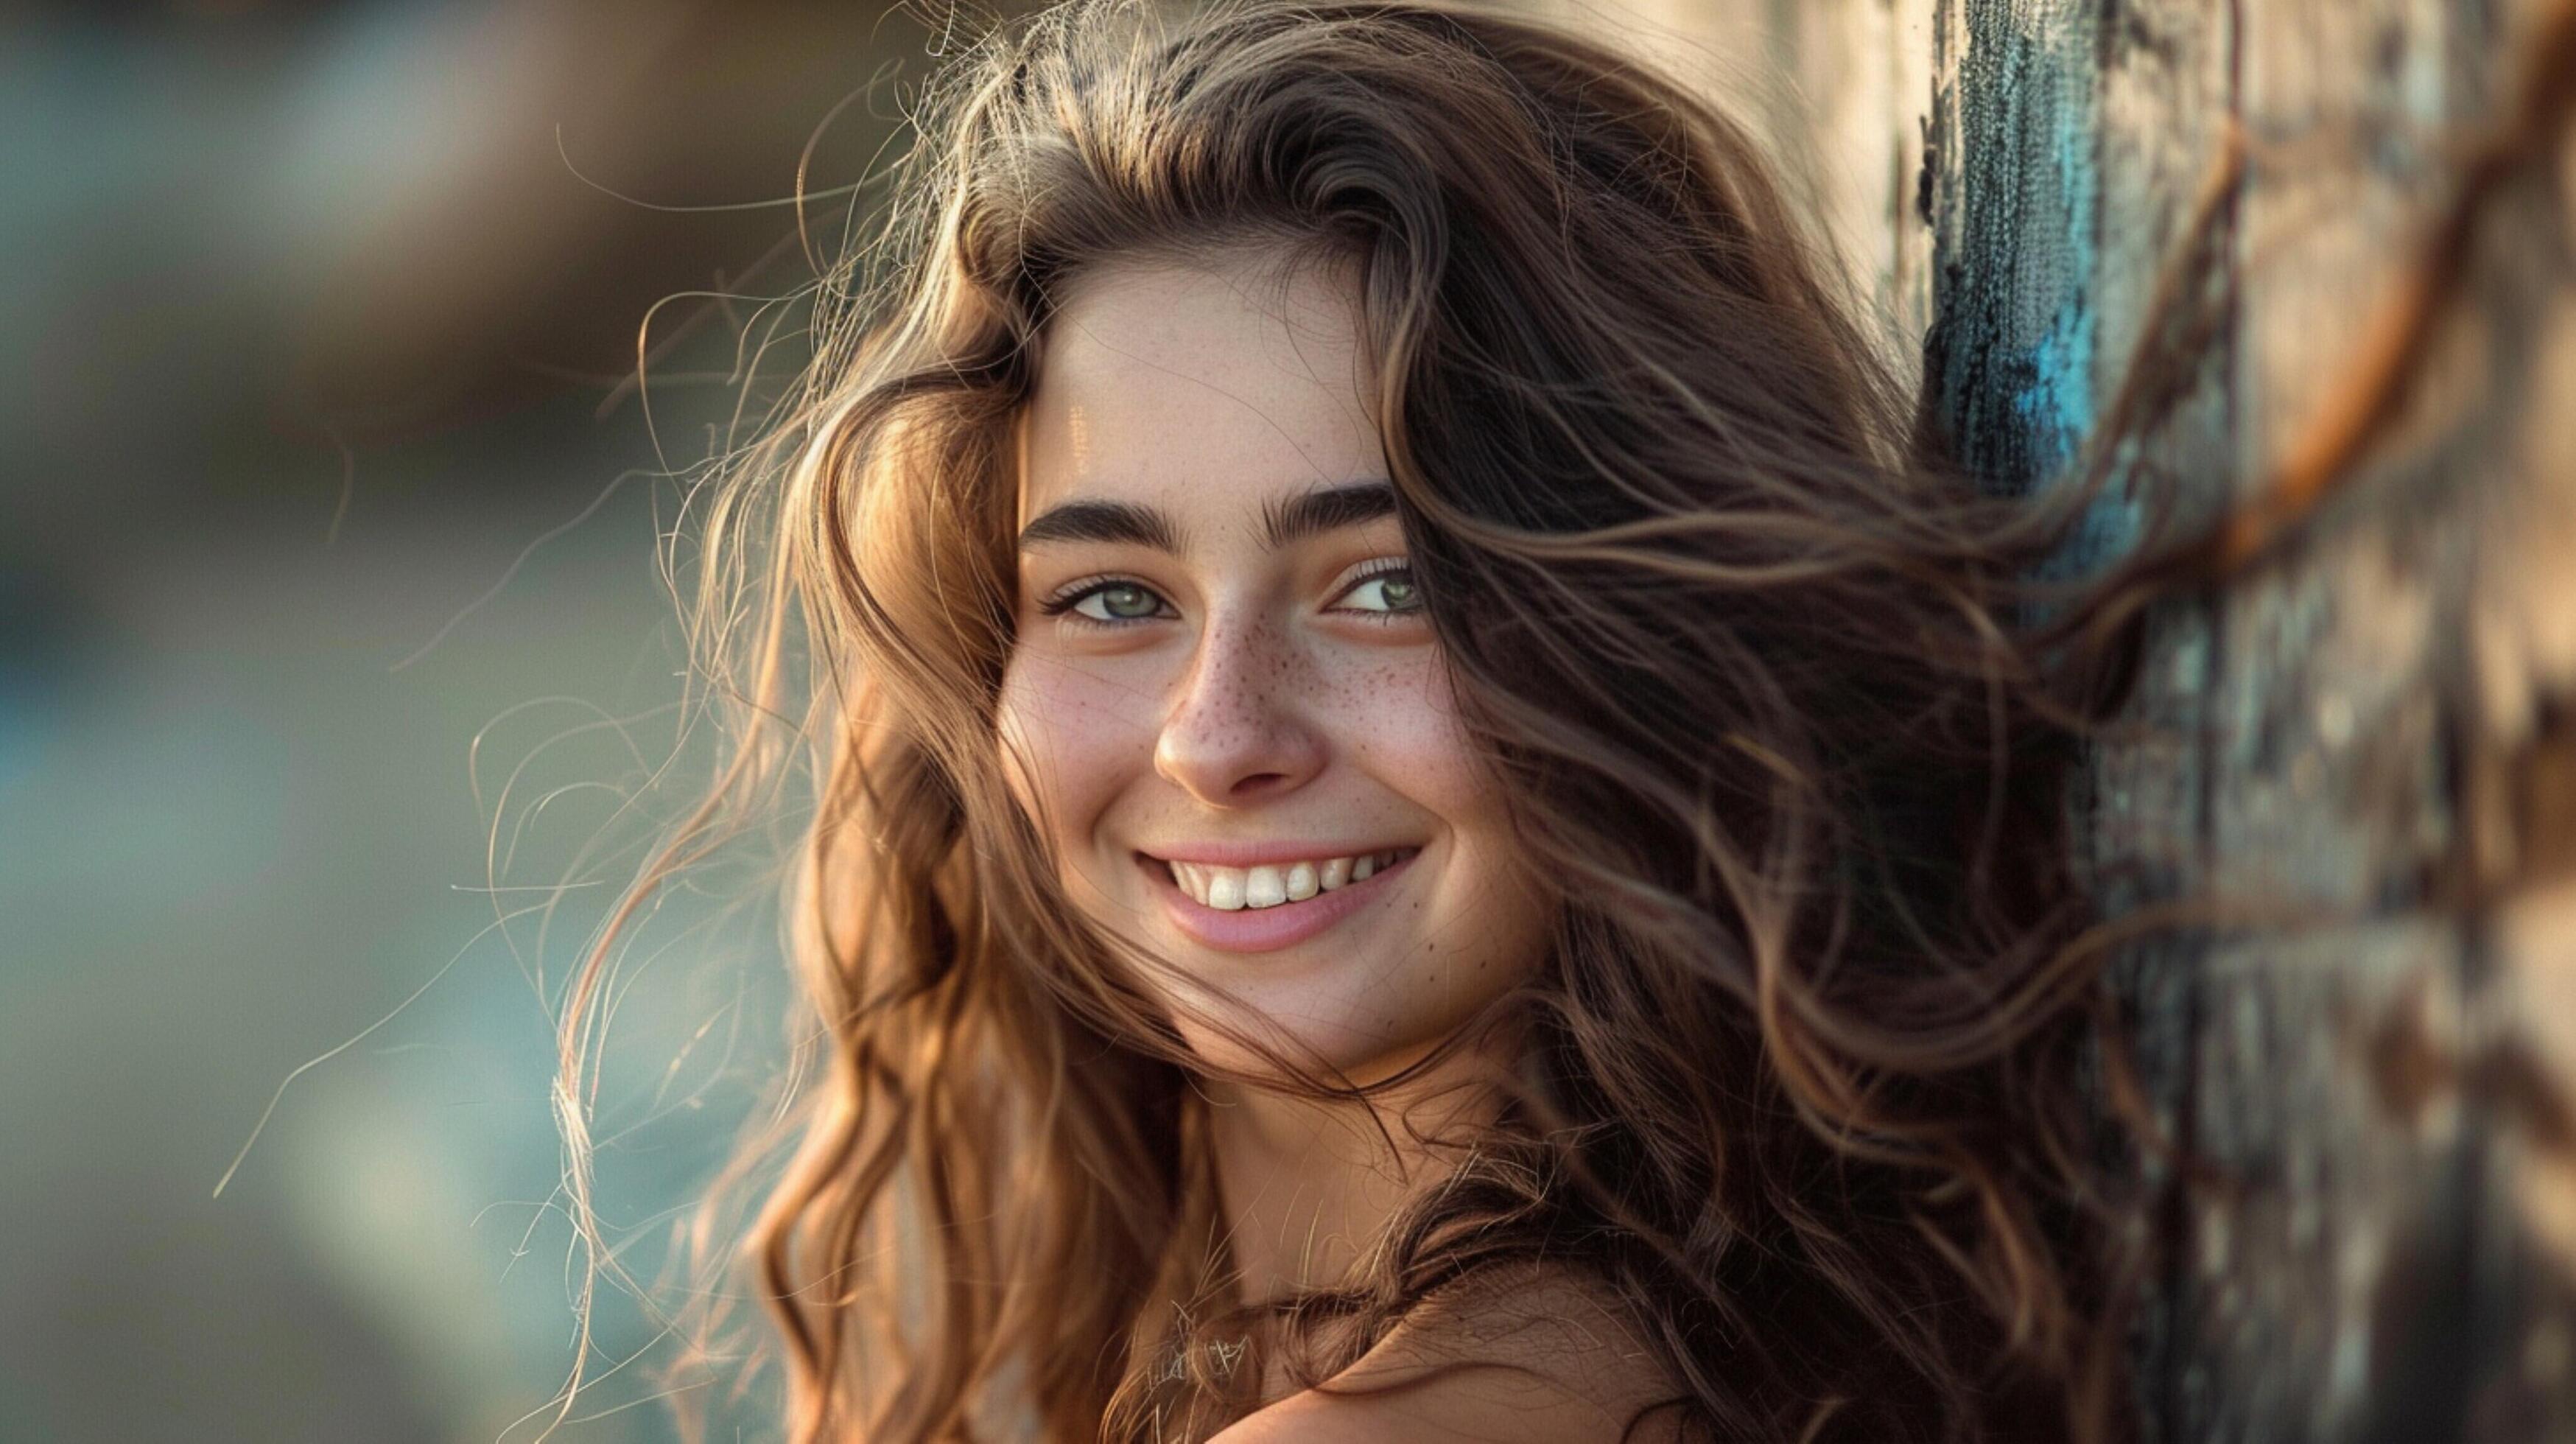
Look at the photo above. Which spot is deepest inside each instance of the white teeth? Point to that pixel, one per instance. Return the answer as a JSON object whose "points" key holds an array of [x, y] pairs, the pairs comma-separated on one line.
{"points": [[1225, 888], [1230, 889]]}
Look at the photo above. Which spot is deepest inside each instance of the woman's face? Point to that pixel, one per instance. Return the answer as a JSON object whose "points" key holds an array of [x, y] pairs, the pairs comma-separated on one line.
{"points": [[1225, 701]]}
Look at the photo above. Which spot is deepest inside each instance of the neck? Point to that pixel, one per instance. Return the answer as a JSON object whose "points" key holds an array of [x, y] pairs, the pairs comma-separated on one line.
{"points": [[1307, 1186]]}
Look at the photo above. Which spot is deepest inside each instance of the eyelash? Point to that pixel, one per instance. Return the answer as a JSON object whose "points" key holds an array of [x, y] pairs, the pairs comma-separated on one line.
{"points": [[1061, 605]]}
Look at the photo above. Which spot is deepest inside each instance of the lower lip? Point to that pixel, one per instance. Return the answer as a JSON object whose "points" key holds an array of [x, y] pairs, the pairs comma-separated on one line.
{"points": [[1263, 930]]}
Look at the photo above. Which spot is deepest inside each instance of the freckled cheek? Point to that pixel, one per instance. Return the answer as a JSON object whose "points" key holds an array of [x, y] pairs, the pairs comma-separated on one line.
{"points": [[1393, 715], [1074, 738], [1486, 921]]}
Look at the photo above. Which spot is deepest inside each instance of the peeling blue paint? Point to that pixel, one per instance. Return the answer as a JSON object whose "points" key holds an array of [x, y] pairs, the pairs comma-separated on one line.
{"points": [[2013, 346], [2056, 403]]}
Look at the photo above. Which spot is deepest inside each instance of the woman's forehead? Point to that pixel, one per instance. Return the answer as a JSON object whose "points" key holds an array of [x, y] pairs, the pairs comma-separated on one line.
{"points": [[1197, 385]]}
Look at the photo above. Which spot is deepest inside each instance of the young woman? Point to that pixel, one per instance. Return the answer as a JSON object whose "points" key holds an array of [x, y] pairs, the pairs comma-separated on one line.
{"points": [[1429, 824]]}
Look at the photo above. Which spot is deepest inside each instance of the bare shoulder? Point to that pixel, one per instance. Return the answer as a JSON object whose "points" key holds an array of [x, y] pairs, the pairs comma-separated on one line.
{"points": [[1542, 1354]]}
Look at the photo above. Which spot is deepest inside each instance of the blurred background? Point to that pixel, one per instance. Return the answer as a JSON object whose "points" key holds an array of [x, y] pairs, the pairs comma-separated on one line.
{"points": [[318, 324]]}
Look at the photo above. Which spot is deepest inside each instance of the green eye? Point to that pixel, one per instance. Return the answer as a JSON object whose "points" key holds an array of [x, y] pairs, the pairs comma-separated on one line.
{"points": [[1118, 602], [1392, 590], [1109, 604]]}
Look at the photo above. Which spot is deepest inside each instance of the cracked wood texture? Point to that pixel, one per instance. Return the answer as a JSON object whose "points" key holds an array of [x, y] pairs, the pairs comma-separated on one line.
{"points": [[2361, 751]]}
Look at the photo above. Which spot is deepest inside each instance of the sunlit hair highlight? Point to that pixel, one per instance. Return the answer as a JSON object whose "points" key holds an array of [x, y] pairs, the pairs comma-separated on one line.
{"points": [[1797, 1086]]}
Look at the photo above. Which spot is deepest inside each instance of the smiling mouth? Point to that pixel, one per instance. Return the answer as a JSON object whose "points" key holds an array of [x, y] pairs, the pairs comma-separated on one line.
{"points": [[1234, 889]]}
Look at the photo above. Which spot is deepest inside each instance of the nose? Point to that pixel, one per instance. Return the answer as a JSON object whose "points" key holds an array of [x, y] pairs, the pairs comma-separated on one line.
{"points": [[1236, 731]]}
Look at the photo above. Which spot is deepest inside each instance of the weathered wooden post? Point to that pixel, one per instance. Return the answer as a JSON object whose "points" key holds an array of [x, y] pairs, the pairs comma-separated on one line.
{"points": [[2359, 746], [2365, 736]]}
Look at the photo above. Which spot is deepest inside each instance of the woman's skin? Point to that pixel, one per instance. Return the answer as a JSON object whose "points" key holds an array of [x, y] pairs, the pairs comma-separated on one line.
{"points": [[1220, 660]]}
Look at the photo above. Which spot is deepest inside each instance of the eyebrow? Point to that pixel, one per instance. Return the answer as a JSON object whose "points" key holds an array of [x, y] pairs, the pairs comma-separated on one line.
{"points": [[1307, 514]]}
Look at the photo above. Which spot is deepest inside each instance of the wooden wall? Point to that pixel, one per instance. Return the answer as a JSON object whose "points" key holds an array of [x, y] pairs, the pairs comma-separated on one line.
{"points": [[2360, 748]]}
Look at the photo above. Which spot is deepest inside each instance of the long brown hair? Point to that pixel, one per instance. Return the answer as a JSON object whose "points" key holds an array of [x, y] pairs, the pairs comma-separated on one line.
{"points": [[1797, 1084]]}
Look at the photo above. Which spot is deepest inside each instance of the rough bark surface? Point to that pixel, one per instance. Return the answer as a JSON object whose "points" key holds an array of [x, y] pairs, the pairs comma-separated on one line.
{"points": [[2359, 751]]}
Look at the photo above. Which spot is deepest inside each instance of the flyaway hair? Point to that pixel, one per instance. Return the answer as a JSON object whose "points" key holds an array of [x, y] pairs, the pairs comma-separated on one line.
{"points": [[1800, 1085]]}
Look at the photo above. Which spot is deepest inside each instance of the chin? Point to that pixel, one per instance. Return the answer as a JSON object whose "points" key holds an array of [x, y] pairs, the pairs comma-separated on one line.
{"points": [[1352, 1055], [1337, 1044]]}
